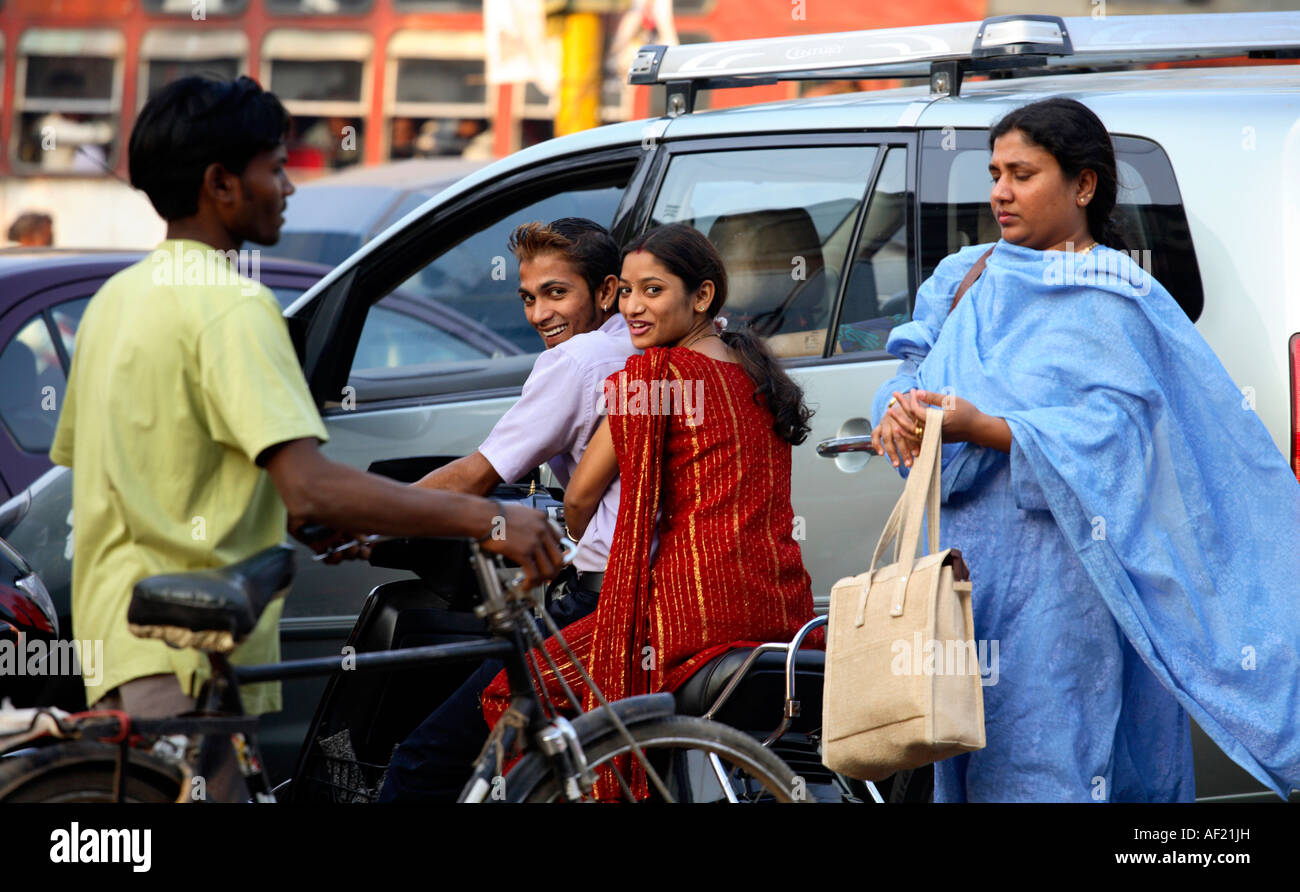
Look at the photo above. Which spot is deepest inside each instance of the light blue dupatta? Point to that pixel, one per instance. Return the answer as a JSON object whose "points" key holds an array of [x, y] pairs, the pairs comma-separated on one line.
{"points": [[1158, 472]]}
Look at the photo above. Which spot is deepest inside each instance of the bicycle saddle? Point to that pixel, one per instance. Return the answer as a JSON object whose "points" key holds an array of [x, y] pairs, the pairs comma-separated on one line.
{"points": [[211, 610], [759, 699]]}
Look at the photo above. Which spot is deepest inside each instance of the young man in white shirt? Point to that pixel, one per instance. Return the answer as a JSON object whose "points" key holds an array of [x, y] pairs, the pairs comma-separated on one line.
{"points": [[568, 282]]}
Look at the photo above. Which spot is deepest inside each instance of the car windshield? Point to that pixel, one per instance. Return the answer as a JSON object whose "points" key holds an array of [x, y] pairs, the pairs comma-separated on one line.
{"points": [[329, 248]]}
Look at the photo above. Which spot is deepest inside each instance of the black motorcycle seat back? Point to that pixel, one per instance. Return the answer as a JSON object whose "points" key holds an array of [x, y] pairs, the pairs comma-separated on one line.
{"points": [[381, 709], [758, 702], [211, 609], [377, 710]]}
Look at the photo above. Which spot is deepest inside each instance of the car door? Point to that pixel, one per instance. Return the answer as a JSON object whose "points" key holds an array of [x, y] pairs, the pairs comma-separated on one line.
{"points": [[817, 232]]}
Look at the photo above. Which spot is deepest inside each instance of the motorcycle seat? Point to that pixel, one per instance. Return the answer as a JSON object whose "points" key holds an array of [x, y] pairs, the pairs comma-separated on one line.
{"points": [[758, 702], [212, 610]]}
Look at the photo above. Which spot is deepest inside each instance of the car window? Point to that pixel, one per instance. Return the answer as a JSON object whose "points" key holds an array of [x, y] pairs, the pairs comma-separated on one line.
{"points": [[877, 294], [955, 212], [33, 386], [782, 220], [324, 247], [391, 339], [67, 317], [405, 206], [479, 277]]}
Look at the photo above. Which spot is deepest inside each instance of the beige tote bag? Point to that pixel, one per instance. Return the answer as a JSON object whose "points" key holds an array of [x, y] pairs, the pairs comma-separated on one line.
{"points": [[902, 684]]}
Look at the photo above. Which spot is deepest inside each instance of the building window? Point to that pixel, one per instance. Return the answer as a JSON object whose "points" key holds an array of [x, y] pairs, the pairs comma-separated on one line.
{"points": [[438, 5], [441, 80], [170, 54], [163, 71], [189, 8], [316, 80], [67, 95], [437, 102], [323, 78], [318, 7]]}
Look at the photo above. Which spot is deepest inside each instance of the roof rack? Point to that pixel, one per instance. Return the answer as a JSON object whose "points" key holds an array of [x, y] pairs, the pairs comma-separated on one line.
{"points": [[943, 53]]}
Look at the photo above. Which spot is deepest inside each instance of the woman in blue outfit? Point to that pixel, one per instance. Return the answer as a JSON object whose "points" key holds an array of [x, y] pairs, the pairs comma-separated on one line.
{"points": [[1129, 525]]}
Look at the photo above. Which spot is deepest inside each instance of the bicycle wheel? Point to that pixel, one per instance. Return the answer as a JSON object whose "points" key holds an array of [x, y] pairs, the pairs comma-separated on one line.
{"points": [[679, 748], [84, 772]]}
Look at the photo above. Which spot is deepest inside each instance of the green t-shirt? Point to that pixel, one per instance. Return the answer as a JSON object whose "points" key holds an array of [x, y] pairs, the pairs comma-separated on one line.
{"points": [[179, 380]]}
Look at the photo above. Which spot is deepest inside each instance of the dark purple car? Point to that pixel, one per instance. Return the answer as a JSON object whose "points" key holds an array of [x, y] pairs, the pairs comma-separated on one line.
{"points": [[44, 292]]}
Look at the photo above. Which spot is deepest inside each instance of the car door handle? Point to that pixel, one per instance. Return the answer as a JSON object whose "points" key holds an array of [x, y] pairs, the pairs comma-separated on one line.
{"points": [[841, 445]]}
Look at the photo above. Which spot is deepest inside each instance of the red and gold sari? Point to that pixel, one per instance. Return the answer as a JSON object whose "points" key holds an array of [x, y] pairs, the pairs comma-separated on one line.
{"points": [[698, 452]]}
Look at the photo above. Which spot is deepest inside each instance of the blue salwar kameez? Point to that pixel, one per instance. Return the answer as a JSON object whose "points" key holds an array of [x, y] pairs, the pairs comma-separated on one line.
{"points": [[1132, 555]]}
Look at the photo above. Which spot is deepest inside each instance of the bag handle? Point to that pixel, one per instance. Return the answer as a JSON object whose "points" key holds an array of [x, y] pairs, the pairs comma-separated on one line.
{"points": [[969, 279], [975, 271], [924, 493], [931, 513], [920, 493]]}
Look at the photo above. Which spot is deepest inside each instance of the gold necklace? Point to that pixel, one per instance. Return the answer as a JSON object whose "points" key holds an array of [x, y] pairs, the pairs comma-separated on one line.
{"points": [[700, 338]]}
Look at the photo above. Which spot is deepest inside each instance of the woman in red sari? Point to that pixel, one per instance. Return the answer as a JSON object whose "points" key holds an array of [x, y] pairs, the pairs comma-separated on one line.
{"points": [[699, 428]]}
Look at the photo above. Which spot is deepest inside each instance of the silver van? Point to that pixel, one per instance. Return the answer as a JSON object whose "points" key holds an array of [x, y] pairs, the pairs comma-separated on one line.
{"points": [[829, 212]]}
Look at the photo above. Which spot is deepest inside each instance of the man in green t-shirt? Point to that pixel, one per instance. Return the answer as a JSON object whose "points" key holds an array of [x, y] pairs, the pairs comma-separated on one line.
{"points": [[192, 431]]}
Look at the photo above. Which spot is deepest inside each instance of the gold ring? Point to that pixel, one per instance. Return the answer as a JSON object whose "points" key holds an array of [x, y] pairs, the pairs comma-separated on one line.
{"points": [[892, 400], [920, 428]]}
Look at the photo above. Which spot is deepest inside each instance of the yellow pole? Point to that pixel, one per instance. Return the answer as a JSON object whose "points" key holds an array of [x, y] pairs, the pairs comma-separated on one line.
{"points": [[580, 73]]}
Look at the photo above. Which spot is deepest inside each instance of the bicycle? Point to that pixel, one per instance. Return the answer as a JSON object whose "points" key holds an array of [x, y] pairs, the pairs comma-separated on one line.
{"points": [[106, 756]]}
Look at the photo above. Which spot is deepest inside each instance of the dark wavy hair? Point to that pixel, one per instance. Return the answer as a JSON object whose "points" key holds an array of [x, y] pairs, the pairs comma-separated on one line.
{"points": [[1072, 134], [584, 243], [196, 121], [690, 256]]}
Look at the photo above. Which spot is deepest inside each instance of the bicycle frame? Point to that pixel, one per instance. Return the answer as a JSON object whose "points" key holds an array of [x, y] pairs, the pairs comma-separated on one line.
{"points": [[220, 720], [509, 644], [221, 693]]}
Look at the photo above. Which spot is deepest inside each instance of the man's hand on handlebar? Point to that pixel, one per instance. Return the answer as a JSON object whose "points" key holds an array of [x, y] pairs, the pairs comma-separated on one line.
{"points": [[527, 537], [523, 535], [329, 544]]}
